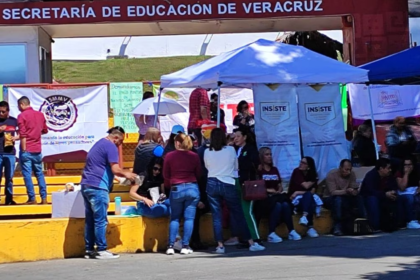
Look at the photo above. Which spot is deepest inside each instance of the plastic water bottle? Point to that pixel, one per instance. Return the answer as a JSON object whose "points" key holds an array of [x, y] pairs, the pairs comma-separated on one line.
{"points": [[118, 205]]}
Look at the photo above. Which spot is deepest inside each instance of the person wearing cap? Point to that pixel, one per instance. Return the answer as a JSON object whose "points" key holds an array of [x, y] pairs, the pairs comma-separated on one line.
{"points": [[102, 163], [170, 145], [146, 151], [199, 107], [213, 109]]}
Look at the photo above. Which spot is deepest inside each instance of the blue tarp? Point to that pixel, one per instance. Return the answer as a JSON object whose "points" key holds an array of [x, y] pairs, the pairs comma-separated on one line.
{"points": [[399, 68]]}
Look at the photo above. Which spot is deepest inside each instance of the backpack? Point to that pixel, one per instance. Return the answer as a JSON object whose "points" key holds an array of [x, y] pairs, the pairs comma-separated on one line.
{"points": [[361, 227]]}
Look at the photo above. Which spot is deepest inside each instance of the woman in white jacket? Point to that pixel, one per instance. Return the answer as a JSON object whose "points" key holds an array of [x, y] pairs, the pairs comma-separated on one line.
{"points": [[222, 165]]}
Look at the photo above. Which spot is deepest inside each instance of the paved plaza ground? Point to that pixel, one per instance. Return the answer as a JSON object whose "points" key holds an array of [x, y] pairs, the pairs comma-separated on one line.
{"points": [[382, 256]]}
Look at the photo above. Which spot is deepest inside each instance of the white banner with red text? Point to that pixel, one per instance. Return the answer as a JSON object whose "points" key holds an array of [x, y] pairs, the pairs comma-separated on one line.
{"points": [[229, 99], [277, 125], [322, 128], [76, 118], [388, 101]]}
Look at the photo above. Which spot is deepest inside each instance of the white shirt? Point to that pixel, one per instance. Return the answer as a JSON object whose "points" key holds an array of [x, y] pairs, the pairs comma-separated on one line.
{"points": [[222, 165]]}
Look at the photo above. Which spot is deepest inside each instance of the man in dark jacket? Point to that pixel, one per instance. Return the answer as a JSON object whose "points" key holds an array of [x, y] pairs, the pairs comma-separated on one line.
{"points": [[379, 190]]}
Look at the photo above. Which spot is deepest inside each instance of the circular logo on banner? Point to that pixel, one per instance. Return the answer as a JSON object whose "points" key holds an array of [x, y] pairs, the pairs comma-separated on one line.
{"points": [[60, 112]]}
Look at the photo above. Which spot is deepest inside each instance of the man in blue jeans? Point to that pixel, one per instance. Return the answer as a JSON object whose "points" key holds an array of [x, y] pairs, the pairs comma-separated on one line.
{"points": [[379, 190], [32, 125], [8, 128], [102, 163], [342, 195]]}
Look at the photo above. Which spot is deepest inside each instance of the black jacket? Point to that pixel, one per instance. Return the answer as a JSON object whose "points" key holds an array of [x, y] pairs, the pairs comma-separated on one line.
{"points": [[248, 162], [365, 150]]}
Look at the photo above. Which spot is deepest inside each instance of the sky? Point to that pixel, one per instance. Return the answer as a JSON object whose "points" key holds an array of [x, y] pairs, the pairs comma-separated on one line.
{"points": [[175, 45]]}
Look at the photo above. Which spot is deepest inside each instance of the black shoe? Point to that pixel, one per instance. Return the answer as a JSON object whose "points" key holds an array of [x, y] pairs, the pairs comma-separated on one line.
{"points": [[90, 254], [11, 202]]}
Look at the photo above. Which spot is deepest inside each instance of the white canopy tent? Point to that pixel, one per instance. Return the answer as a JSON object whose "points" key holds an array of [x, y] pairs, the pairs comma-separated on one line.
{"points": [[266, 62]]}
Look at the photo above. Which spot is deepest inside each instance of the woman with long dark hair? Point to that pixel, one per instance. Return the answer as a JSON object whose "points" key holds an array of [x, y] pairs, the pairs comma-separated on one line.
{"points": [[408, 181], [221, 186], [303, 184], [151, 185]]}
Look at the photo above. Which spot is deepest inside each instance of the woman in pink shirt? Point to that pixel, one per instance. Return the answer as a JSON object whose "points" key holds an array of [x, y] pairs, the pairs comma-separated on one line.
{"points": [[182, 170]]}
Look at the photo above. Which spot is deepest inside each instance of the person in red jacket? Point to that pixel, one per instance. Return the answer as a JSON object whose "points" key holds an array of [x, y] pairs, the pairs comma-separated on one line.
{"points": [[32, 125]]}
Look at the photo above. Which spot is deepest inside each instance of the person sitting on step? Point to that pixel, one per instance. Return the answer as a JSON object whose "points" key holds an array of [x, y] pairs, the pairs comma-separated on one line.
{"points": [[342, 195]]}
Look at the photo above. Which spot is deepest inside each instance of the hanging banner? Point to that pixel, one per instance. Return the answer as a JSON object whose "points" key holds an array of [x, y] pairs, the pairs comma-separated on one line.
{"points": [[276, 125], [322, 128], [388, 102], [229, 99], [124, 98], [76, 118]]}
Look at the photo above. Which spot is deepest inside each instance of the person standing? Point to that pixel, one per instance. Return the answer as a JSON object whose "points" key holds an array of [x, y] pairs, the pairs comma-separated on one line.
{"points": [[213, 109], [400, 142], [221, 186], [144, 122], [8, 128], [182, 170], [244, 116], [97, 181], [199, 111], [32, 125]]}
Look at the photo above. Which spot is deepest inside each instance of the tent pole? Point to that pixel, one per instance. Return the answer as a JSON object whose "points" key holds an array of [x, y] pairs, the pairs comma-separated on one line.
{"points": [[375, 139], [158, 106], [218, 104]]}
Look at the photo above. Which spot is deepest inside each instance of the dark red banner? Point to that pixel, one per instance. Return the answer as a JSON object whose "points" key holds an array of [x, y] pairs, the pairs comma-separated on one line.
{"points": [[68, 12]]}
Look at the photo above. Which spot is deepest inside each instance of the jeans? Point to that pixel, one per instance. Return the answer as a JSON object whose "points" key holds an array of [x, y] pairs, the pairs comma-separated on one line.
{"points": [[184, 199], [278, 210], [344, 203], [307, 205], [96, 210], [406, 208], [156, 211], [33, 162], [377, 206], [8, 163], [218, 191]]}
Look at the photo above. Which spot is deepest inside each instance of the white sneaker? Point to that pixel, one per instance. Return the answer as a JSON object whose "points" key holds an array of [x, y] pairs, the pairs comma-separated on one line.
{"points": [[186, 250], [219, 250], [312, 233], [170, 251], [178, 245], [413, 225], [293, 235], [231, 242], [106, 255], [303, 221], [256, 247], [274, 238]]}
